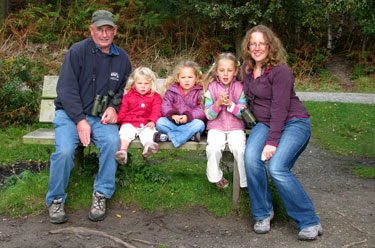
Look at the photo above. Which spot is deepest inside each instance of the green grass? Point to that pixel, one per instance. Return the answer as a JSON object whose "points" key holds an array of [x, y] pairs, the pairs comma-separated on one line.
{"points": [[365, 85], [323, 81], [175, 180], [13, 150], [364, 171], [26, 196], [343, 128]]}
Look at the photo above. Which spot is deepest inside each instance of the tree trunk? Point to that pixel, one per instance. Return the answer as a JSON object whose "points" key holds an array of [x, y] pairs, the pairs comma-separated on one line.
{"points": [[297, 29], [329, 34], [339, 31], [4, 8], [238, 36]]}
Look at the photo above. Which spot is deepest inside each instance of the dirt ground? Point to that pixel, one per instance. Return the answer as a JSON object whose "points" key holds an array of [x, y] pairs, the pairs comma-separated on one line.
{"points": [[344, 202]]}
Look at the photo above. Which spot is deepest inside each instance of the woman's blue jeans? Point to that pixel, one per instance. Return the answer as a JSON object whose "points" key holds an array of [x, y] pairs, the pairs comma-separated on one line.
{"points": [[294, 139], [106, 139], [179, 134]]}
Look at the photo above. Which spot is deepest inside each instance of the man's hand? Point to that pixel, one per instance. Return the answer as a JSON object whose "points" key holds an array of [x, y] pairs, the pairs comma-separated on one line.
{"points": [[84, 132], [109, 116]]}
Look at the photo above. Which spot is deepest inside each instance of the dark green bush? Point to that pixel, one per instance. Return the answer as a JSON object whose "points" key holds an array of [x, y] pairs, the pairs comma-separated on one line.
{"points": [[20, 81]]}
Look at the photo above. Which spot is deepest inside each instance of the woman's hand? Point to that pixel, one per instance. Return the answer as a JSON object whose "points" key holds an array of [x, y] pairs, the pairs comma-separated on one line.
{"points": [[268, 151]]}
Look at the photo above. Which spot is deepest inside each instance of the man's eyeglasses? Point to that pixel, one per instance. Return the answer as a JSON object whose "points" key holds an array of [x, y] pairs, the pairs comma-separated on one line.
{"points": [[104, 30]]}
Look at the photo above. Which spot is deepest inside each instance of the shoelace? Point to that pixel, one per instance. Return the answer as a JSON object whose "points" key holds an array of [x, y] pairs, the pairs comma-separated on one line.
{"points": [[57, 207], [99, 202], [262, 222]]}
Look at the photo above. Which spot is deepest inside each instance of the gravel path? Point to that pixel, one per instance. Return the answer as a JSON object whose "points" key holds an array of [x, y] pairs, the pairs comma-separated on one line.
{"points": [[337, 97]]}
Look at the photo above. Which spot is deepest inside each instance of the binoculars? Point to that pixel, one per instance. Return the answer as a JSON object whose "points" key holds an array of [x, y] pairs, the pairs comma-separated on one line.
{"points": [[99, 106], [249, 117]]}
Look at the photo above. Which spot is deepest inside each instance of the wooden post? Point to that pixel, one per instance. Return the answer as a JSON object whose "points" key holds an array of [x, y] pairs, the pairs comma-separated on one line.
{"points": [[229, 159], [236, 185]]}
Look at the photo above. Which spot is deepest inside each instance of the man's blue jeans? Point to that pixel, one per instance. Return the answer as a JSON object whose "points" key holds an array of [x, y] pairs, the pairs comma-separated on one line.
{"points": [[106, 139], [179, 134], [294, 139]]}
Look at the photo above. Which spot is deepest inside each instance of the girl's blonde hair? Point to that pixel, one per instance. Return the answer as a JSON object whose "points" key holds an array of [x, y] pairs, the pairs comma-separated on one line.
{"points": [[147, 73], [210, 75], [185, 63], [276, 51]]}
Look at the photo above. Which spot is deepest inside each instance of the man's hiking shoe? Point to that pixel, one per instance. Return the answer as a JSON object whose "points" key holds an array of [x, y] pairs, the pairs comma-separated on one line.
{"points": [[196, 137], [310, 233], [121, 157], [150, 149], [160, 137], [57, 213], [222, 184], [97, 211], [263, 226]]}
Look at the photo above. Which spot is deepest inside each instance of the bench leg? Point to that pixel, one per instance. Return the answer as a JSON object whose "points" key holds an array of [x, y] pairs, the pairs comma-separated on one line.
{"points": [[78, 156], [236, 185], [228, 158]]}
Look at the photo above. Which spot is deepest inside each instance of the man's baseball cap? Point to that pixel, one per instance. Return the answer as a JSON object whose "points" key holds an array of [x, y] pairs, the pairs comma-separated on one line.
{"points": [[102, 17]]}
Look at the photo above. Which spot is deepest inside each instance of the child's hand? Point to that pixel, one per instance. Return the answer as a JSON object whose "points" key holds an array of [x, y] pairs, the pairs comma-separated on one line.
{"points": [[228, 103], [176, 119], [151, 125], [223, 98], [183, 119], [179, 119]]}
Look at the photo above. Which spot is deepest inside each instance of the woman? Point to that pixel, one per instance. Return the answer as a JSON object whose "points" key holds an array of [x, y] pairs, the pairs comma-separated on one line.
{"points": [[280, 136]]}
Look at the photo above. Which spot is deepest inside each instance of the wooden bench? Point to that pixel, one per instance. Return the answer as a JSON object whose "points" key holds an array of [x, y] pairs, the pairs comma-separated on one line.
{"points": [[46, 136]]}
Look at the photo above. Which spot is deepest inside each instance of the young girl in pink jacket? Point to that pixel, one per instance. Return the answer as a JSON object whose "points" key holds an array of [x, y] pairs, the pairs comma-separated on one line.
{"points": [[140, 109], [224, 101], [183, 115]]}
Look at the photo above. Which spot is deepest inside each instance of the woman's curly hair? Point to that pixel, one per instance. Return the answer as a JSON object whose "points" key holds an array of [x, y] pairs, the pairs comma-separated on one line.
{"points": [[276, 51]]}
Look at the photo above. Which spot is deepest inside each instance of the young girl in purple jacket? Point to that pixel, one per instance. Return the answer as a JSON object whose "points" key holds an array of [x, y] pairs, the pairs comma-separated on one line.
{"points": [[182, 111], [224, 101]]}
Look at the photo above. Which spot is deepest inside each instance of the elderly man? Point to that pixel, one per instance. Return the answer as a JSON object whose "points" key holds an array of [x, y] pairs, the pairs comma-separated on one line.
{"points": [[89, 93]]}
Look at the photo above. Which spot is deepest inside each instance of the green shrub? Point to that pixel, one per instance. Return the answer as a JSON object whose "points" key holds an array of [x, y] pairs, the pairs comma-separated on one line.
{"points": [[19, 90]]}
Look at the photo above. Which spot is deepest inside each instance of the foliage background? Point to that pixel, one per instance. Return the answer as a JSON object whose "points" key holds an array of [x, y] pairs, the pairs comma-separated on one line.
{"points": [[36, 35]]}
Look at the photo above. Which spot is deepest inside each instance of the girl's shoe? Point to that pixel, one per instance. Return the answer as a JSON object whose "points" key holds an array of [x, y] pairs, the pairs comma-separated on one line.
{"points": [[222, 184], [196, 137], [121, 157], [150, 149], [160, 137]]}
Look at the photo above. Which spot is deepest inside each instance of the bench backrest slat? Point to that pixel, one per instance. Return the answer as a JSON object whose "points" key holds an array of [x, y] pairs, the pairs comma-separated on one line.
{"points": [[47, 107], [49, 87]]}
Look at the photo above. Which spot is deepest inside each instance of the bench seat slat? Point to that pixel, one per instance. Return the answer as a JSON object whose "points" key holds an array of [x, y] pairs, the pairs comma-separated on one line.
{"points": [[46, 136]]}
